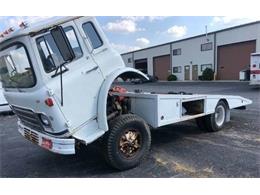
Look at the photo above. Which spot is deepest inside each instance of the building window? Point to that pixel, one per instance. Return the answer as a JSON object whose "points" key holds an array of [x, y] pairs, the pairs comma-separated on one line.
{"points": [[176, 69], [92, 34], [206, 46], [204, 66], [176, 52], [129, 60]]}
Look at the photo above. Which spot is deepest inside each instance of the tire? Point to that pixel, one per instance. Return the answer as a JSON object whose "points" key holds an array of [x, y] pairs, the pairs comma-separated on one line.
{"points": [[216, 121], [127, 142], [201, 123]]}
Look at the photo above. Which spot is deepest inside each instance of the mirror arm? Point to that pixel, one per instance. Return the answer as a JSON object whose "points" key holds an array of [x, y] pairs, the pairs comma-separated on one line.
{"points": [[61, 79], [61, 87]]}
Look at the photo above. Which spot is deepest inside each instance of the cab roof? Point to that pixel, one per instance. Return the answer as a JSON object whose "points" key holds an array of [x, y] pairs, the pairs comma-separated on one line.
{"points": [[38, 27]]}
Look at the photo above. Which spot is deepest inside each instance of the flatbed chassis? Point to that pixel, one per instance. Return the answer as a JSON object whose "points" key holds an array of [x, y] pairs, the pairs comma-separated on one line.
{"points": [[164, 109]]}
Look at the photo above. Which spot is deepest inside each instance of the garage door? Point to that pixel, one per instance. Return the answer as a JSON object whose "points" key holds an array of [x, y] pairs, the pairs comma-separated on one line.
{"points": [[141, 65], [162, 67], [234, 58]]}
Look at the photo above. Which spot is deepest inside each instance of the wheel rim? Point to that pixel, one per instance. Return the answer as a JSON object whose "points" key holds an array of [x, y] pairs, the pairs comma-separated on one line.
{"points": [[220, 115], [130, 143]]}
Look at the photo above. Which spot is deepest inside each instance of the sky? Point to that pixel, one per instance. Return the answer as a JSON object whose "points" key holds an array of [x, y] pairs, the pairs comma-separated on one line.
{"points": [[128, 33]]}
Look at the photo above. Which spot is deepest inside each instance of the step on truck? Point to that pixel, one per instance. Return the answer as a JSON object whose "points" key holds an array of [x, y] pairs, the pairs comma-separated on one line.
{"points": [[58, 79]]}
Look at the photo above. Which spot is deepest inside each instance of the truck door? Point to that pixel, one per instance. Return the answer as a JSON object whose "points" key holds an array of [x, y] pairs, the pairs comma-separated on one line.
{"points": [[81, 83], [103, 54]]}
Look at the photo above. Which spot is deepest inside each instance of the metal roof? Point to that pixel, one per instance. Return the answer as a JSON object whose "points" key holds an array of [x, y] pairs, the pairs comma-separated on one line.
{"points": [[37, 27], [197, 36]]}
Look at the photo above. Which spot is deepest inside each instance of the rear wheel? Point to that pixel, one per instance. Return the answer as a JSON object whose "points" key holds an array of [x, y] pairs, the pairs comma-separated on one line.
{"points": [[216, 121], [127, 142], [201, 123]]}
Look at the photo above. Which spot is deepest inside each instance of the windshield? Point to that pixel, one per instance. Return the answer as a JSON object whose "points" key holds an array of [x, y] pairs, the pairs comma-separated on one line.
{"points": [[15, 68]]}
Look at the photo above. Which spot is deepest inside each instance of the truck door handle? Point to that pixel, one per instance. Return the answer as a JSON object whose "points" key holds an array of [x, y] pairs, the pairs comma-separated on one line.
{"points": [[92, 69]]}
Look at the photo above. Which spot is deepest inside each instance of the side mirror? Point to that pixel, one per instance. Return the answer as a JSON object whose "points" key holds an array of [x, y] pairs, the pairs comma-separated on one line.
{"points": [[62, 43]]}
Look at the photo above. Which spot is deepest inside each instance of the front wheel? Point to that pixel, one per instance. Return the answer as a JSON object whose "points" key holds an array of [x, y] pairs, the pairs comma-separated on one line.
{"points": [[127, 142], [216, 121]]}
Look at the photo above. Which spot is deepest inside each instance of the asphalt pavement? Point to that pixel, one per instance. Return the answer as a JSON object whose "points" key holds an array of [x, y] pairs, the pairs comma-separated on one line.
{"points": [[178, 150]]}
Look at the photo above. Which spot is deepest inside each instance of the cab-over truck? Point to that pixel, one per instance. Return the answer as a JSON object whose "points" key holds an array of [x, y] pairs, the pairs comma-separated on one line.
{"points": [[58, 79]]}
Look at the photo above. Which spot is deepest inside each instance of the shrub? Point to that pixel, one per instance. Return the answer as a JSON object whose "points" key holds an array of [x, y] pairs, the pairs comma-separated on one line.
{"points": [[172, 77], [208, 74]]}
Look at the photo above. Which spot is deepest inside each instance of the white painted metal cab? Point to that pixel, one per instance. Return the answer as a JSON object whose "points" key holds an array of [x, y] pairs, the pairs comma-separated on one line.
{"points": [[26, 55], [58, 76]]}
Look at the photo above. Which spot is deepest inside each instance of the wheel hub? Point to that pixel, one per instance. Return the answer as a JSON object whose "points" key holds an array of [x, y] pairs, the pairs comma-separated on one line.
{"points": [[220, 115], [129, 143]]}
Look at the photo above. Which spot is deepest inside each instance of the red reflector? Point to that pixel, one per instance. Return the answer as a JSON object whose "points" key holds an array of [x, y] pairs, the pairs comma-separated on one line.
{"points": [[49, 102], [46, 143], [255, 71], [254, 65]]}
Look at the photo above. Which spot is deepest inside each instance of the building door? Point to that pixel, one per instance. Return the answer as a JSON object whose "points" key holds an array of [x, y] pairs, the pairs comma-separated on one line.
{"points": [[234, 58], [141, 65], [187, 72], [194, 72], [162, 67]]}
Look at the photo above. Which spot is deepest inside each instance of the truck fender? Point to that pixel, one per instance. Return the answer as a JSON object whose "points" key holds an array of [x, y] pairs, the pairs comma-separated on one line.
{"points": [[103, 93]]}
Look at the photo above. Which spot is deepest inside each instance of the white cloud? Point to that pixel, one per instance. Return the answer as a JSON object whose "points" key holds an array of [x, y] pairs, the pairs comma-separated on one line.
{"points": [[177, 31], [153, 18], [129, 24], [124, 26], [142, 42], [232, 20], [140, 18], [121, 48], [133, 18], [139, 44]]}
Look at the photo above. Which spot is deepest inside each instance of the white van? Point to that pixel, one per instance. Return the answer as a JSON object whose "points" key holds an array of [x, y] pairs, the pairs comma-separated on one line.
{"points": [[4, 107]]}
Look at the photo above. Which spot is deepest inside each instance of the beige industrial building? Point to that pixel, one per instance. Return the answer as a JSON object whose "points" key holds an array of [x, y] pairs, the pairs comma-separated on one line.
{"points": [[226, 51]]}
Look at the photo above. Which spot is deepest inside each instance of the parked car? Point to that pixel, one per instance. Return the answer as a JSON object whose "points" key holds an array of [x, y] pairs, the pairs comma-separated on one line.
{"points": [[4, 107]]}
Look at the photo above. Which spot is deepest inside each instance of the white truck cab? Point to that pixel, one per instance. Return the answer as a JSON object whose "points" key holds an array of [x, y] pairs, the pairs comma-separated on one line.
{"points": [[58, 76]]}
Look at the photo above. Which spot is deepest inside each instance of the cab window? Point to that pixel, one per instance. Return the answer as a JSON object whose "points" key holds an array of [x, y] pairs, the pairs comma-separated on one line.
{"points": [[49, 52], [15, 67], [92, 34]]}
